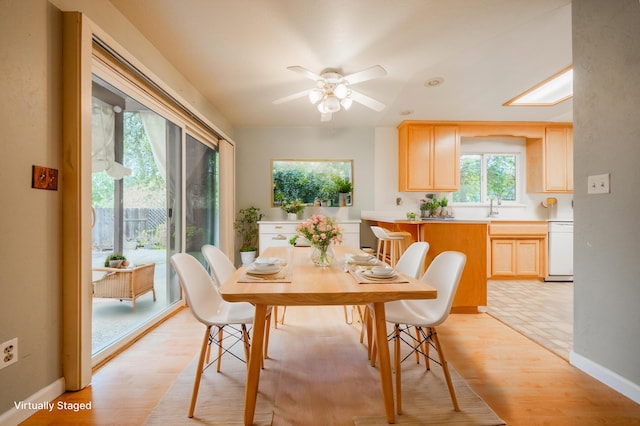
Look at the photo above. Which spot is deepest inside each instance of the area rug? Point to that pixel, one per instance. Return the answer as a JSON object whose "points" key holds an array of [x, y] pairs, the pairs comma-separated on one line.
{"points": [[426, 401], [220, 399], [317, 373]]}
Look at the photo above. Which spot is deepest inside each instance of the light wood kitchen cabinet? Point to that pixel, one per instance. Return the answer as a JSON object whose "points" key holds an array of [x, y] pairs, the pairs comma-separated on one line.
{"points": [[518, 249], [468, 237], [428, 157], [550, 161], [515, 258]]}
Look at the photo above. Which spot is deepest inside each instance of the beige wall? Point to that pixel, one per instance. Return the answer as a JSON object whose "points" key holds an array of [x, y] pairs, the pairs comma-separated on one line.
{"points": [[30, 258], [30, 219]]}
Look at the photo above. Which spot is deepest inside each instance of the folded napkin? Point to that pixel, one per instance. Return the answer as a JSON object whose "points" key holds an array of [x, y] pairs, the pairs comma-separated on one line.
{"points": [[282, 276], [358, 275]]}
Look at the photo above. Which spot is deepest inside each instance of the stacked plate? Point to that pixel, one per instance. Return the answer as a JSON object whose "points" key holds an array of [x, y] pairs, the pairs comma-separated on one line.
{"points": [[264, 266], [380, 272]]}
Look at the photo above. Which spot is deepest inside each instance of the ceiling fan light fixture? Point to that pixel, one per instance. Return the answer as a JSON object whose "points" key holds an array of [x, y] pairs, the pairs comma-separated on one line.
{"points": [[332, 91], [341, 91], [332, 104]]}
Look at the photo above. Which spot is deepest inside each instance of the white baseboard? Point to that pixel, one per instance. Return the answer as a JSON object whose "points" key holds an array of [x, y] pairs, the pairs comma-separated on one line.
{"points": [[16, 415], [613, 380]]}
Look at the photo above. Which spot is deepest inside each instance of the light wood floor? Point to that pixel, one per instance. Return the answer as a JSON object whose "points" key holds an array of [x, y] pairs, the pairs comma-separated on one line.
{"points": [[524, 383]]}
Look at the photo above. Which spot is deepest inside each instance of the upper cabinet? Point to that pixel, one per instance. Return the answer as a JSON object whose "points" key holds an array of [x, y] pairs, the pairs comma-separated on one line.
{"points": [[550, 161], [428, 157]]}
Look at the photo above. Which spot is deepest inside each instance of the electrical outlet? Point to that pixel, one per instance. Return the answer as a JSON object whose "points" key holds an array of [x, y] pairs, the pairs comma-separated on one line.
{"points": [[598, 184], [8, 353], [44, 178]]}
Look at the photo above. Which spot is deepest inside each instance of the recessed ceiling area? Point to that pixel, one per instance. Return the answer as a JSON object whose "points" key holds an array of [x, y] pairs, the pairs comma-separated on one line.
{"points": [[236, 53]]}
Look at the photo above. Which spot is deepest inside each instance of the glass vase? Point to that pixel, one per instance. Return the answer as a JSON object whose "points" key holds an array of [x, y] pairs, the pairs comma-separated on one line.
{"points": [[322, 256]]}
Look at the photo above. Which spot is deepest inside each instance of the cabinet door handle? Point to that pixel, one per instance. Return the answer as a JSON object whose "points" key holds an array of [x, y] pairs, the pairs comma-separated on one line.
{"points": [[278, 227], [279, 237]]}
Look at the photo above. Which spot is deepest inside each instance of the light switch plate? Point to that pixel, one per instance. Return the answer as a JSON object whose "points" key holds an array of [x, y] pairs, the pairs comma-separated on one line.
{"points": [[598, 184]]}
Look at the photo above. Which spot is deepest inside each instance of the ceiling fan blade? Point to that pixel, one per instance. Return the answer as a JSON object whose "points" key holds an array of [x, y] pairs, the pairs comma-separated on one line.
{"points": [[367, 101], [326, 116], [309, 74], [375, 71], [291, 97]]}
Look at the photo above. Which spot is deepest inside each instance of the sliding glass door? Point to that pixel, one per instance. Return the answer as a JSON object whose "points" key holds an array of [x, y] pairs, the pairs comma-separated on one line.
{"points": [[202, 195], [136, 204]]}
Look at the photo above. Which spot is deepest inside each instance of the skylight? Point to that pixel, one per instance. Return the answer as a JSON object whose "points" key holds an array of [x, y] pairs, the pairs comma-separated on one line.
{"points": [[551, 91]]}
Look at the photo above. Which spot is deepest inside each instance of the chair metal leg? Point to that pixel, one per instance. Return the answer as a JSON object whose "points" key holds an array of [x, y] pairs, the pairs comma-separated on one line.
{"points": [[445, 368], [196, 382]]}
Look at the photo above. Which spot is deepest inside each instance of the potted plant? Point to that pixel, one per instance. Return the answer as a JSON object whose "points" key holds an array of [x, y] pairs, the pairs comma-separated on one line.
{"points": [[429, 206], [344, 188], [115, 260], [293, 208], [246, 226]]}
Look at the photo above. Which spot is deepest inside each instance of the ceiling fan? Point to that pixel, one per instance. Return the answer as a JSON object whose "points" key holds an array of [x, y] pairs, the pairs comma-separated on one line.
{"points": [[333, 92]]}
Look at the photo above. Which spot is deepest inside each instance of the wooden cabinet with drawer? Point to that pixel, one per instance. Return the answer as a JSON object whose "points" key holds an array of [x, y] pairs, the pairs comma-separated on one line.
{"points": [[518, 249]]}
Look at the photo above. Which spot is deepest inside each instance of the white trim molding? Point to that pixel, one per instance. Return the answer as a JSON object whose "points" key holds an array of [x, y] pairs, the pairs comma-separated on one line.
{"points": [[613, 380], [22, 410]]}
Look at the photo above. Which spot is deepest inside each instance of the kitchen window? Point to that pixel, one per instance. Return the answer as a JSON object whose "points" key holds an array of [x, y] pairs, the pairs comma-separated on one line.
{"points": [[486, 175]]}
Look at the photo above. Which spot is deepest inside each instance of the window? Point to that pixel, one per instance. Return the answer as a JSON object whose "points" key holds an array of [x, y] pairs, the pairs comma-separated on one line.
{"points": [[486, 176], [311, 180]]}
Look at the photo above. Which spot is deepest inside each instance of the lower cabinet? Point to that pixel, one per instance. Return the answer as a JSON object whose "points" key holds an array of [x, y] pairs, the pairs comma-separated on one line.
{"points": [[515, 257], [278, 233], [518, 249]]}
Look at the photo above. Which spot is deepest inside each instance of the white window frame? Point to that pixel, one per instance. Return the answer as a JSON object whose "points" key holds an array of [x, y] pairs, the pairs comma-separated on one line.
{"points": [[495, 146]]}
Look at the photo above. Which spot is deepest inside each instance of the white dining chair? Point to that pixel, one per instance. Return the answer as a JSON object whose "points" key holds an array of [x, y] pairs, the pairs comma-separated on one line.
{"points": [[410, 263], [208, 307], [443, 274], [221, 269]]}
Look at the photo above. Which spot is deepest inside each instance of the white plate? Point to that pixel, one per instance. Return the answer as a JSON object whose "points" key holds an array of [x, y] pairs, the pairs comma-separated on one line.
{"points": [[370, 274], [263, 270]]}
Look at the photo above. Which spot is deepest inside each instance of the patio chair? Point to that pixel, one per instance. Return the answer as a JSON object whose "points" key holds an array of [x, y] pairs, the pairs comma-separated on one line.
{"points": [[125, 283]]}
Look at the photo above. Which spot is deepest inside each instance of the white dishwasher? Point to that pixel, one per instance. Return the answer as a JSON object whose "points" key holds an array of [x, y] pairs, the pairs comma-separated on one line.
{"points": [[560, 251]]}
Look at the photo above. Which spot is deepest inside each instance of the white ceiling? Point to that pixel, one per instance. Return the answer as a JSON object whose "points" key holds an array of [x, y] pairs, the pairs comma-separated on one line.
{"points": [[236, 52]]}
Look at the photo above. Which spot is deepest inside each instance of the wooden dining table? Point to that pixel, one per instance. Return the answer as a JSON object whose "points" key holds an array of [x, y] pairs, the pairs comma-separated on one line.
{"points": [[306, 284]]}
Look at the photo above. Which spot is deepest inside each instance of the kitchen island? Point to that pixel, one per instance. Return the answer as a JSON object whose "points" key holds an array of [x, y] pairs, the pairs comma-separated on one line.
{"points": [[466, 236]]}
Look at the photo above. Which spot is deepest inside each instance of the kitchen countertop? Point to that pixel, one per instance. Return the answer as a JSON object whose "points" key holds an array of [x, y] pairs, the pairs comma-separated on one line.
{"points": [[391, 218]]}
